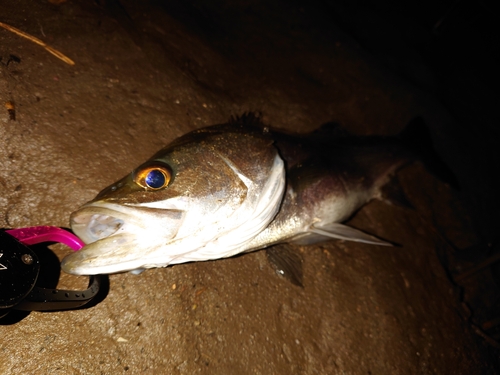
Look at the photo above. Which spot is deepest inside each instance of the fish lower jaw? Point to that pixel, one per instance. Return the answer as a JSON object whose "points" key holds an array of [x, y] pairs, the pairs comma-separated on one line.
{"points": [[119, 252]]}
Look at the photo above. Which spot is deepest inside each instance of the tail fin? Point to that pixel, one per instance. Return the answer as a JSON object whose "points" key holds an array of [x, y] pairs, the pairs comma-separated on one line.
{"points": [[417, 137]]}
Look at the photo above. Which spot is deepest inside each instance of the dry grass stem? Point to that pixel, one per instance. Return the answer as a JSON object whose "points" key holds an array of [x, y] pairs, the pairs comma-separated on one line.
{"points": [[53, 51]]}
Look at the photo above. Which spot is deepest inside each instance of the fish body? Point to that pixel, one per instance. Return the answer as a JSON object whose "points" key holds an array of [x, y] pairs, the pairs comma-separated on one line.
{"points": [[232, 188]]}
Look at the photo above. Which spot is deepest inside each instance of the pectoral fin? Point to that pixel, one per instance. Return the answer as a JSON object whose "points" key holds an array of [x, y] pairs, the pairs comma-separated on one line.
{"points": [[137, 271], [343, 232]]}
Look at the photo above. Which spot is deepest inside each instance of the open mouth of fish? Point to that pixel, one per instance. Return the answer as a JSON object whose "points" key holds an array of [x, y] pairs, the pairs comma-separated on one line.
{"points": [[94, 227], [97, 222], [113, 234]]}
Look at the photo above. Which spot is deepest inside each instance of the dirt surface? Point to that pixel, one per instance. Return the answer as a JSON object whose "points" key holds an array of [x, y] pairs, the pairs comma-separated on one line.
{"points": [[146, 73]]}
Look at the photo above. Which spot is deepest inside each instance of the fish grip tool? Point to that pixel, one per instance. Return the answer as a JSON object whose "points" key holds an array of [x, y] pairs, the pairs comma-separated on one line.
{"points": [[20, 267]]}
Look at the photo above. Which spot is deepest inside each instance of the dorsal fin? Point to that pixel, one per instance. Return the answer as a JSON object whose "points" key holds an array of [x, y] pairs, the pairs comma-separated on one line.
{"points": [[247, 119]]}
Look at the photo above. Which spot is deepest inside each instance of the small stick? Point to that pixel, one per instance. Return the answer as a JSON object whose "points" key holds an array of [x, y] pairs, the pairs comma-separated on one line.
{"points": [[486, 263], [53, 51]]}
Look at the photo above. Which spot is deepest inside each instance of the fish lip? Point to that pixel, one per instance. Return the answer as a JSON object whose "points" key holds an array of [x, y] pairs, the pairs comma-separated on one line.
{"points": [[88, 260]]}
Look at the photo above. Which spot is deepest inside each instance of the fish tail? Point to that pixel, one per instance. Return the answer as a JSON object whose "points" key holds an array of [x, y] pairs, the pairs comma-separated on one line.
{"points": [[417, 137]]}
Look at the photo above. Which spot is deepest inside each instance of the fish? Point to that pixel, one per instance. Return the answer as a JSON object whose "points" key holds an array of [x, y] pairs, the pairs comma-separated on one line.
{"points": [[241, 186]]}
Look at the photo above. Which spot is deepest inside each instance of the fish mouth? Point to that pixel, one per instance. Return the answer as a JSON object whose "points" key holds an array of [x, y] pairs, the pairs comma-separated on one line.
{"points": [[118, 238], [97, 221], [92, 227]]}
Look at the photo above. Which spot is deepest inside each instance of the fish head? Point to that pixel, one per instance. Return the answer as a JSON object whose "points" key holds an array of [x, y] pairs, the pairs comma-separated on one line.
{"points": [[202, 197]]}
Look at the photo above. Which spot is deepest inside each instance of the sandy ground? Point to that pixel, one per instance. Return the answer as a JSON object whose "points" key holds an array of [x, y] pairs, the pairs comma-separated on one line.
{"points": [[146, 73]]}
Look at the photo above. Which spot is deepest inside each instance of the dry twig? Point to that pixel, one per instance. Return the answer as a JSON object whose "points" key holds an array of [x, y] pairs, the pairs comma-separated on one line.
{"points": [[53, 51]]}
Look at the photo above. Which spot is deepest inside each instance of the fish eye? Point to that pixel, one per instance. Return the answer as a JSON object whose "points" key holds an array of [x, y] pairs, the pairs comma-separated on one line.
{"points": [[153, 177]]}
